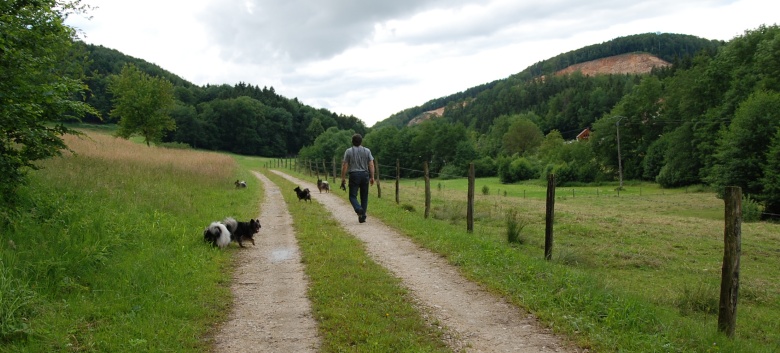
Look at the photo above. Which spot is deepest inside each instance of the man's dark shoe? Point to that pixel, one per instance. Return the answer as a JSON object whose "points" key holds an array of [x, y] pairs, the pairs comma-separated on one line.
{"points": [[362, 218]]}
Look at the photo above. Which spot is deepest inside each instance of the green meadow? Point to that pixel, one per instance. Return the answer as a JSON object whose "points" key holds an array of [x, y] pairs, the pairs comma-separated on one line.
{"points": [[105, 253]]}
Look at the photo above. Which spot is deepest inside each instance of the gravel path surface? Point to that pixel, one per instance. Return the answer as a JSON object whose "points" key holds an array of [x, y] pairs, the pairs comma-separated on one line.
{"points": [[271, 312]]}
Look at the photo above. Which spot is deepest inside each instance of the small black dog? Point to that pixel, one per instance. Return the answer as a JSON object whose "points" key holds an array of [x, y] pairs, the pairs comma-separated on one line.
{"points": [[303, 194], [240, 231]]}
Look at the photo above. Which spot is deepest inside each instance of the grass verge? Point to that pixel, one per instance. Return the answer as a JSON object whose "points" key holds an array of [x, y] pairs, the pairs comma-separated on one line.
{"points": [[104, 252]]}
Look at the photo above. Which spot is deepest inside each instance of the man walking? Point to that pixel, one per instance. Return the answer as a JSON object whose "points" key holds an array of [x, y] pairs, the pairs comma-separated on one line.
{"points": [[359, 163]]}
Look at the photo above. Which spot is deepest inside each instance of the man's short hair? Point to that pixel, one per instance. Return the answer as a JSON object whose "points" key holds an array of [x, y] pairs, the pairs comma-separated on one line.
{"points": [[357, 140]]}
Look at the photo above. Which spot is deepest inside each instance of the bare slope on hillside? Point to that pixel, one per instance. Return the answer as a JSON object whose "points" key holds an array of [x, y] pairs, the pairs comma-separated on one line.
{"points": [[631, 63]]}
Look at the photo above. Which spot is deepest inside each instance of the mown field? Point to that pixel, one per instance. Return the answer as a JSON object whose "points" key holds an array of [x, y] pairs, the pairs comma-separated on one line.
{"points": [[638, 272]]}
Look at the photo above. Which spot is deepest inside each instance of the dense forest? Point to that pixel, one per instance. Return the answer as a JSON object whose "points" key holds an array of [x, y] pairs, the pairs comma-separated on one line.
{"points": [[242, 118]]}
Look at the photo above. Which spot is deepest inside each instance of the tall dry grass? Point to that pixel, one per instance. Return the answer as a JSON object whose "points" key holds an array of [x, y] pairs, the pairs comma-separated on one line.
{"points": [[127, 153]]}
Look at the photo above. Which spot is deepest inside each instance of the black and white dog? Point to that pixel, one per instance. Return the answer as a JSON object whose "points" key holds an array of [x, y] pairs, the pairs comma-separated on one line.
{"points": [[220, 234], [303, 194], [240, 184]]}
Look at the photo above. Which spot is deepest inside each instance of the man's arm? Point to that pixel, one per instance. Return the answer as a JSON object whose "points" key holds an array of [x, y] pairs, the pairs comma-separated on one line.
{"points": [[371, 172], [344, 166]]}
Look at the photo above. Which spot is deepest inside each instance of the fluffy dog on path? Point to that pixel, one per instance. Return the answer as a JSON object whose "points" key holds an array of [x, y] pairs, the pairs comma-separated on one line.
{"points": [[220, 234], [323, 185], [303, 194]]}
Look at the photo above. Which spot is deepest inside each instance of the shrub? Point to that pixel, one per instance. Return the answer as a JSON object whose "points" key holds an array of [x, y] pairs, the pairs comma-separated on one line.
{"points": [[702, 298], [751, 210], [450, 172], [514, 228], [485, 167], [522, 169], [485, 190], [504, 175]]}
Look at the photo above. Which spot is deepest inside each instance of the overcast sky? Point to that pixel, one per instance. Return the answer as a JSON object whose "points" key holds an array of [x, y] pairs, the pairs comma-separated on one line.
{"points": [[374, 58]]}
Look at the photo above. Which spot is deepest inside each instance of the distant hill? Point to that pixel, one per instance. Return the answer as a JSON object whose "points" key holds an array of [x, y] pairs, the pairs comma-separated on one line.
{"points": [[624, 64], [624, 55]]}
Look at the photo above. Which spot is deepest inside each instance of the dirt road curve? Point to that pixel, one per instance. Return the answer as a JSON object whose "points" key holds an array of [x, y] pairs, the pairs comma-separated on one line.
{"points": [[476, 320]]}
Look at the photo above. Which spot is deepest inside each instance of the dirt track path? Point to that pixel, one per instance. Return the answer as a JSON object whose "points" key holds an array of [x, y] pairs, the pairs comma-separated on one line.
{"points": [[271, 312], [477, 320]]}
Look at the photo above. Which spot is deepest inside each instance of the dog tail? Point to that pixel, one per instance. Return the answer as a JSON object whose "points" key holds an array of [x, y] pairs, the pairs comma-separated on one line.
{"points": [[218, 234], [231, 224]]}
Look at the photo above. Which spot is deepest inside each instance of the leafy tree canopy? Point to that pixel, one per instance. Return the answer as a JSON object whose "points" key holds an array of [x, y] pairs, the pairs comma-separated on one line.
{"points": [[38, 85], [142, 103]]}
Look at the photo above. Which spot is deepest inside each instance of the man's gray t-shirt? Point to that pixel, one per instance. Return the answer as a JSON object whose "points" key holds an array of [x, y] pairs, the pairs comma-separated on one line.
{"points": [[358, 158]]}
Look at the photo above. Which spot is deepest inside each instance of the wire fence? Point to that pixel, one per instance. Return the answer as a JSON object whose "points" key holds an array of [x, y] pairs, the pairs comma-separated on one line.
{"points": [[331, 169]]}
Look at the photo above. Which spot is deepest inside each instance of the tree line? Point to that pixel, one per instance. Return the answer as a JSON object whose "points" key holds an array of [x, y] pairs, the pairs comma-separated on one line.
{"points": [[240, 118]]}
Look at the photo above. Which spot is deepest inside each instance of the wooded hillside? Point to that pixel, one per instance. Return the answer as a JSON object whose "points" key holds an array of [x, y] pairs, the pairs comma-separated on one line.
{"points": [[242, 118], [710, 118]]}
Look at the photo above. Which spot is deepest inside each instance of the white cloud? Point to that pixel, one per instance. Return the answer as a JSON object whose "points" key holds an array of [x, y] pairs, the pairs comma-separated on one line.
{"points": [[372, 59]]}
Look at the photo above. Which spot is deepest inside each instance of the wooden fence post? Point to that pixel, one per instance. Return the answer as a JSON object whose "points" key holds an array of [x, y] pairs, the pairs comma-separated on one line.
{"points": [[732, 238], [548, 230], [427, 190], [470, 205], [376, 179], [324, 169], [397, 179], [334, 170]]}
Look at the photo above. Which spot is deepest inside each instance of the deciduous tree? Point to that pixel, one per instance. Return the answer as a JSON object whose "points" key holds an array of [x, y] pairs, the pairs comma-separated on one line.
{"points": [[142, 103], [37, 85]]}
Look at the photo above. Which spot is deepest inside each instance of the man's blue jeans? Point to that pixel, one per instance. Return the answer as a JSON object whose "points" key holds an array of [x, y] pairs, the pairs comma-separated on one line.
{"points": [[358, 181]]}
